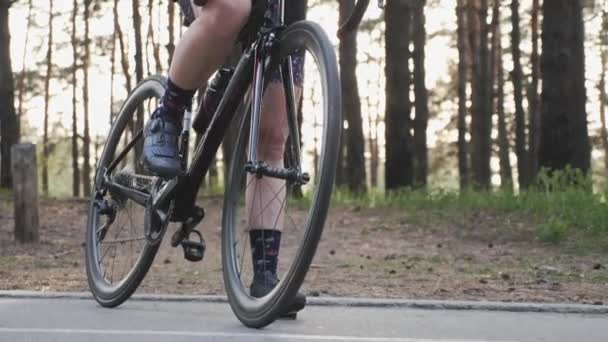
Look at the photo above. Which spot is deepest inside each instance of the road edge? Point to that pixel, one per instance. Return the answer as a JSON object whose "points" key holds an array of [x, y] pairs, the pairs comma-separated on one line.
{"points": [[343, 302]]}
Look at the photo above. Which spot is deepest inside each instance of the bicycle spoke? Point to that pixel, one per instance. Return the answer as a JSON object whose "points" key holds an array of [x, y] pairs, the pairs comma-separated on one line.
{"points": [[113, 260], [118, 216], [240, 270], [280, 211], [131, 242], [123, 241], [276, 194]]}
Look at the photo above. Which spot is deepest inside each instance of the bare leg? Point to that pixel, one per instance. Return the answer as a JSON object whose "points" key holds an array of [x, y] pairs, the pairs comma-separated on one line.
{"points": [[208, 41], [266, 196], [204, 46]]}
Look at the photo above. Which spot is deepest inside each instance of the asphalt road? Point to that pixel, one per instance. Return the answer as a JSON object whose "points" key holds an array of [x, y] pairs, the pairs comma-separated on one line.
{"points": [[83, 320]]}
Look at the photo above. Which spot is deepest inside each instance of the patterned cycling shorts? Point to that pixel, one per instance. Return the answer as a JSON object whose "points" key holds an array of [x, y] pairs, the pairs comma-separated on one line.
{"points": [[293, 14]]}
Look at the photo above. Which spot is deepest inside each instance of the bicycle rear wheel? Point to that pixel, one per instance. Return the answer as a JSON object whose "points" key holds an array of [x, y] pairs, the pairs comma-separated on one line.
{"points": [[299, 210], [118, 255]]}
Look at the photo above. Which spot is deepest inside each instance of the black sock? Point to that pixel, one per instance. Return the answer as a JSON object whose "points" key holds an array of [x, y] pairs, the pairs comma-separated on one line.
{"points": [[176, 99], [265, 245]]}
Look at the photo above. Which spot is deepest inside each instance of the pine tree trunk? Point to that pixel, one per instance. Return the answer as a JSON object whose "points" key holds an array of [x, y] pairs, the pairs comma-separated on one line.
{"points": [[506, 173], [351, 105], [533, 96], [146, 43], [86, 146], [463, 67], [603, 43], [481, 120], [564, 135], [21, 86], [139, 71], [112, 73], [47, 97], [399, 172], [155, 45], [124, 60], [341, 167], [371, 137], [75, 168], [421, 163], [8, 118], [171, 27], [602, 100], [517, 77], [139, 57]]}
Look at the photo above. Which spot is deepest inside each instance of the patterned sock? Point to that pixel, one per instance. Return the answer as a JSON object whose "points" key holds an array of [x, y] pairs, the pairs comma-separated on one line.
{"points": [[176, 99], [265, 245]]}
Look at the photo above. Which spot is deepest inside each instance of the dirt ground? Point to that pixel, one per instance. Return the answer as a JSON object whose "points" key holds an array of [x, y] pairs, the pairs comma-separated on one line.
{"points": [[364, 252]]}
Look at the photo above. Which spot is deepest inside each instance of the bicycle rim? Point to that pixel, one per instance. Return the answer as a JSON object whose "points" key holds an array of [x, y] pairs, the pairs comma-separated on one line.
{"points": [[117, 252]]}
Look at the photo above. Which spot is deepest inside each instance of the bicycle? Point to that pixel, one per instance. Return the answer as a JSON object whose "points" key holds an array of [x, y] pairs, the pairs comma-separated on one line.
{"points": [[122, 185]]}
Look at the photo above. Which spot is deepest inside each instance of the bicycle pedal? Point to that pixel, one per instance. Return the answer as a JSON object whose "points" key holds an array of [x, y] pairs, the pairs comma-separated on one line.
{"points": [[194, 251]]}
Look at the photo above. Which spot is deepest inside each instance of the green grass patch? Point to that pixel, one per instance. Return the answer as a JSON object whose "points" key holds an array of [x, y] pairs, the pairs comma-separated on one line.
{"points": [[8, 261], [562, 204]]}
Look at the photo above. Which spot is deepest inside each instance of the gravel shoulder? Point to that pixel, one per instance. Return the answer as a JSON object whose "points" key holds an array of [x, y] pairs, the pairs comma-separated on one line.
{"points": [[365, 252]]}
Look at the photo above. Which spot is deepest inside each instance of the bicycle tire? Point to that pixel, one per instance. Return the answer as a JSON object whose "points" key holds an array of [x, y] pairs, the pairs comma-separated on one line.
{"points": [[108, 295], [259, 312]]}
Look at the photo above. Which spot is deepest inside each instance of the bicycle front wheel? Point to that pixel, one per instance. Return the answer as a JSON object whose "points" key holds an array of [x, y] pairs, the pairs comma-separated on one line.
{"points": [[296, 205]]}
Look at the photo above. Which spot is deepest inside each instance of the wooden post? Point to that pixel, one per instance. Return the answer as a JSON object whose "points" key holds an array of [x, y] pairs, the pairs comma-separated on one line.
{"points": [[25, 188]]}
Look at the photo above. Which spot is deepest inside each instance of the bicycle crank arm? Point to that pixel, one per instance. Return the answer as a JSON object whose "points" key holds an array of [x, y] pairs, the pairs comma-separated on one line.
{"points": [[165, 193]]}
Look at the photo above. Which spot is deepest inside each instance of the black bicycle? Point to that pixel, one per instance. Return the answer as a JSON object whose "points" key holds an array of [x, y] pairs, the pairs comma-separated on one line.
{"points": [[130, 209]]}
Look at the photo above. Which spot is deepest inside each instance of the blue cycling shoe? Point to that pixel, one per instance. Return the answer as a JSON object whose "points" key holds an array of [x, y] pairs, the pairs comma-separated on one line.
{"points": [[161, 144]]}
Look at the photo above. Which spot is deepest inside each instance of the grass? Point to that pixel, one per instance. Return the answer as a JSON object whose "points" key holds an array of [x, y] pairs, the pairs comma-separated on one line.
{"points": [[562, 204]]}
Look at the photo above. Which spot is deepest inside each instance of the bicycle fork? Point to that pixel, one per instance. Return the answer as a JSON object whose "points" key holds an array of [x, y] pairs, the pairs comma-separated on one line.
{"points": [[253, 165]]}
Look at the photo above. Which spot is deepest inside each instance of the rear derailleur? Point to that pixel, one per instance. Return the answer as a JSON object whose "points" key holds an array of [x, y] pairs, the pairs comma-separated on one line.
{"points": [[189, 238]]}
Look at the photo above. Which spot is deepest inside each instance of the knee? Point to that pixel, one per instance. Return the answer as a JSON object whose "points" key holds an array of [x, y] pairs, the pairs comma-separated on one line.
{"points": [[272, 139]]}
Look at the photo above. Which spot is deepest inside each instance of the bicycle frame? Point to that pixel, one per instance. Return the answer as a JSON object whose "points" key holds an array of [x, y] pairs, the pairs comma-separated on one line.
{"points": [[251, 67]]}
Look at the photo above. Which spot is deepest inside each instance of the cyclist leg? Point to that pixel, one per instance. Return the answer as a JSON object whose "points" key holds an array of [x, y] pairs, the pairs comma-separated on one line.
{"points": [[265, 197], [202, 49]]}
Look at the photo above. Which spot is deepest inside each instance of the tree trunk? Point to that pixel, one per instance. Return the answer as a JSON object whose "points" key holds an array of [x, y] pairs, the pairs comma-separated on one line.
{"points": [[564, 137], [155, 45], [533, 96], [124, 60], [351, 105], [139, 64], [506, 174], [603, 43], [399, 172], [372, 136], [47, 97], [139, 70], [171, 27], [112, 72], [520, 117], [463, 63], [75, 168], [421, 162], [8, 118], [341, 167], [86, 146], [602, 99], [21, 86], [481, 120]]}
